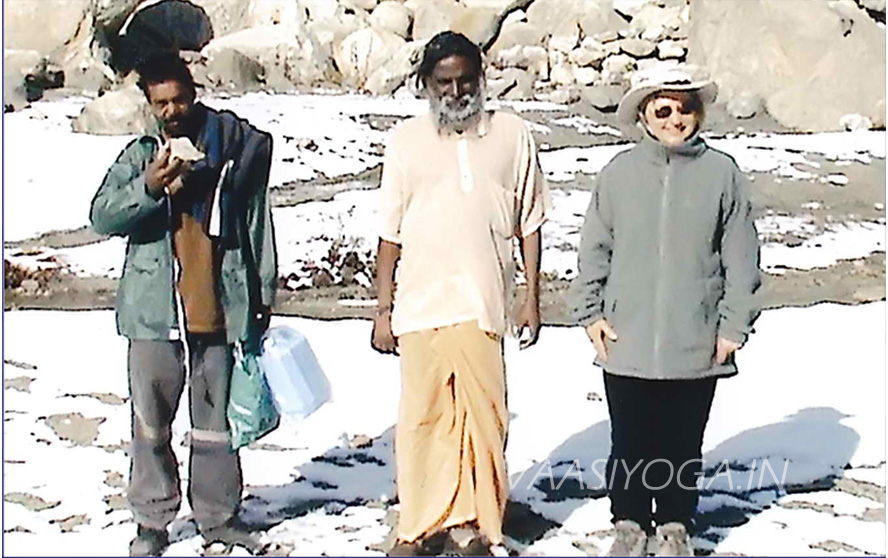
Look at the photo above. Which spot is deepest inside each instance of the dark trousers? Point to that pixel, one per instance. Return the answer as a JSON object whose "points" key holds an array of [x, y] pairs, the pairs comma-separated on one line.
{"points": [[157, 379], [656, 437]]}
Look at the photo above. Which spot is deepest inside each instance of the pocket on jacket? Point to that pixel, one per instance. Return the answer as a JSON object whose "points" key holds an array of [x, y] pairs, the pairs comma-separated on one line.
{"points": [[694, 321], [143, 297], [628, 310]]}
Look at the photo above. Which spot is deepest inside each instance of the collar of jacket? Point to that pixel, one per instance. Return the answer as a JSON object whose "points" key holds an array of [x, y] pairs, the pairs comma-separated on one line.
{"points": [[691, 149]]}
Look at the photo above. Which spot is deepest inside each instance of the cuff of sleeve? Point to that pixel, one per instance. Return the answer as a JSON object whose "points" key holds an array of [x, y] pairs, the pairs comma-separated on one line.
{"points": [[589, 318], [532, 227], [733, 335], [393, 238], [146, 200]]}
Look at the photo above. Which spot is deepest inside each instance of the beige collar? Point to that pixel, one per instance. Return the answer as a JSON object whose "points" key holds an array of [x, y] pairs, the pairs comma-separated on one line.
{"points": [[479, 130]]}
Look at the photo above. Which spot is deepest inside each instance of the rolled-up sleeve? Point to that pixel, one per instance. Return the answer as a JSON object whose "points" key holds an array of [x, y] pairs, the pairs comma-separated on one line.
{"points": [[535, 202], [391, 201]]}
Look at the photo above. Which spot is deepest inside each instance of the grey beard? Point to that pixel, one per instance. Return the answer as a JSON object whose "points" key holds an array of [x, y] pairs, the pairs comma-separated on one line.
{"points": [[457, 119]]}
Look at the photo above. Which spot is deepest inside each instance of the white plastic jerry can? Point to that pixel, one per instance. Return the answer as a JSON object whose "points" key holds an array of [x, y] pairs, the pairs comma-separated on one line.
{"points": [[298, 385]]}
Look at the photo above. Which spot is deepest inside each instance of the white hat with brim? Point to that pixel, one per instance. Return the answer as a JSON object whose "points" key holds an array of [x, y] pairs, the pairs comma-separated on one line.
{"points": [[663, 78]]}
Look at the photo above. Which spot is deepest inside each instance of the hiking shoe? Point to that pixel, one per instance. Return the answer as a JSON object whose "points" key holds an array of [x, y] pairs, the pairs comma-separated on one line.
{"points": [[672, 540], [149, 542], [466, 540], [402, 548], [429, 546], [630, 539], [233, 533], [479, 546], [473, 545]]}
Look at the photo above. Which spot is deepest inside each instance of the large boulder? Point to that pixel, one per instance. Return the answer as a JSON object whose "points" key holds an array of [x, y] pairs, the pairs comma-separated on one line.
{"points": [[226, 16], [598, 19], [534, 59], [170, 25], [654, 22], [111, 15], [331, 30], [363, 52], [17, 66], [229, 16], [512, 84], [565, 38], [605, 98], [42, 26], [393, 17], [810, 62], [481, 25], [364, 5], [561, 71], [275, 12], [744, 105], [231, 69], [638, 48], [630, 8], [670, 49], [328, 31], [590, 53], [874, 5], [586, 75], [283, 50], [430, 17], [516, 33], [392, 74], [318, 10], [75, 35], [124, 111], [616, 68], [554, 16]]}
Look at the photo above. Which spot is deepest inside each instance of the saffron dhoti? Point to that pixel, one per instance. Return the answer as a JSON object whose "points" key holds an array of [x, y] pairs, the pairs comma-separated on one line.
{"points": [[451, 432]]}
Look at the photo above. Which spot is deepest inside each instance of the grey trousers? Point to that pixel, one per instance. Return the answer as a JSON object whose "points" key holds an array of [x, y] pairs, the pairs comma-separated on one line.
{"points": [[156, 380]]}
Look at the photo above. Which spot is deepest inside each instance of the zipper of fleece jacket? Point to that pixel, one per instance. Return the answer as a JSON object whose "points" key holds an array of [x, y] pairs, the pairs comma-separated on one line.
{"points": [[661, 260]]}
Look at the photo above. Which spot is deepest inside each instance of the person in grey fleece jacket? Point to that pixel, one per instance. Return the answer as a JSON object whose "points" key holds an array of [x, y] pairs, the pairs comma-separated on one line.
{"points": [[668, 272]]}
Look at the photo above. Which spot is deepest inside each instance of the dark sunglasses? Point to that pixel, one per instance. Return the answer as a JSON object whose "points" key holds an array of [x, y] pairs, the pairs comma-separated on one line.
{"points": [[666, 112]]}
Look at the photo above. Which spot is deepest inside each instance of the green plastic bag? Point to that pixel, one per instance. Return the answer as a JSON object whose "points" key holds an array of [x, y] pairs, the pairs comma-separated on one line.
{"points": [[251, 410]]}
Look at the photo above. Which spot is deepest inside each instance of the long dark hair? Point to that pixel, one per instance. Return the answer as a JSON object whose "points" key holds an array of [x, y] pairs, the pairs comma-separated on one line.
{"points": [[444, 45]]}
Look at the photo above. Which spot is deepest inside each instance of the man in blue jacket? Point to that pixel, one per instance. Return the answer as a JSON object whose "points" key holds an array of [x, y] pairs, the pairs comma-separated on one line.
{"points": [[200, 274]]}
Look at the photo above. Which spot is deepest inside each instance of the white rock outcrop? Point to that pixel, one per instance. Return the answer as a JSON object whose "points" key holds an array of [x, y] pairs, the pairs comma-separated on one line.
{"points": [[363, 52], [810, 62], [282, 50], [813, 65], [124, 111], [392, 16], [393, 73]]}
